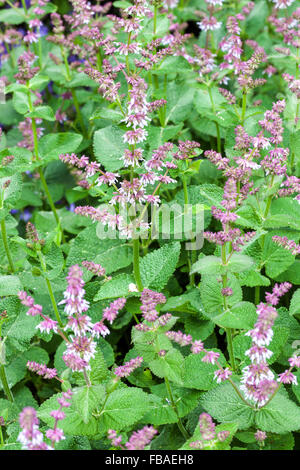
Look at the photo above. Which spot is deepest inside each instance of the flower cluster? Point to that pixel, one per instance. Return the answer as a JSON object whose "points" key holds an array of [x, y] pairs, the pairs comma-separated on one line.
{"points": [[81, 346], [47, 324], [137, 441], [209, 436], [258, 381], [31, 437]]}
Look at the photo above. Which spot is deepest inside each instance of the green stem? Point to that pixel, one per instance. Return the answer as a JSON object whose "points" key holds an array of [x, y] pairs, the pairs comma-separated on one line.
{"points": [[24, 6], [193, 257], [1, 437], [230, 347], [74, 96], [244, 106], [6, 246], [217, 125], [185, 190], [50, 201], [228, 330], [267, 209], [239, 393], [179, 423], [42, 177], [6, 388], [136, 263], [49, 287], [154, 21], [78, 112], [86, 378]]}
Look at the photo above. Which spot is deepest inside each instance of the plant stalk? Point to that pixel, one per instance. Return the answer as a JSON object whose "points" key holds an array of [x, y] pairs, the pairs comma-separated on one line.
{"points": [[5, 385], [136, 263], [6, 246]]}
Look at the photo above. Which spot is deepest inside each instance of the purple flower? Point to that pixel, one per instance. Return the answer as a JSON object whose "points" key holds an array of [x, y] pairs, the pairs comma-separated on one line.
{"points": [[128, 367]]}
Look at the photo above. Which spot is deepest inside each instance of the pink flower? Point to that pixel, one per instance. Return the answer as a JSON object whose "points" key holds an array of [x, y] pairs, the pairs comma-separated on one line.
{"points": [[140, 439], [128, 367], [294, 361], [260, 436], [55, 435], [211, 357], [110, 313], [207, 427], [222, 374], [197, 347], [42, 369], [287, 378], [47, 325]]}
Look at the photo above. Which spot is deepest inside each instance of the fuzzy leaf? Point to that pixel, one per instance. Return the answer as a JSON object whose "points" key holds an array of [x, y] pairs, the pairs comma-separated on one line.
{"points": [[123, 408], [158, 266], [109, 147]]}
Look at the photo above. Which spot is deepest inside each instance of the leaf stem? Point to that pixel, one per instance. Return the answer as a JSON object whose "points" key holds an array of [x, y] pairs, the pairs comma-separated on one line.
{"points": [[40, 170], [49, 287], [179, 423], [228, 330], [216, 123], [6, 246], [1, 437], [136, 263], [5, 385], [244, 106]]}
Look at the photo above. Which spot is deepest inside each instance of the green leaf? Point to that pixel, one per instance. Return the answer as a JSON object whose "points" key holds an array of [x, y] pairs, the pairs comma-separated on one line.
{"points": [[38, 82], [117, 287], [179, 100], [291, 274], [223, 404], [109, 147], [16, 370], [188, 302], [281, 415], [42, 112], [123, 408], [9, 285], [20, 328], [169, 366], [87, 246], [241, 315], [295, 303], [54, 261], [239, 263], [276, 259], [87, 399], [52, 145], [99, 370], [158, 266], [20, 102], [72, 424], [159, 412], [285, 212], [107, 113], [207, 265], [12, 193], [12, 16], [197, 374], [253, 278], [173, 64], [211, 295]]}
